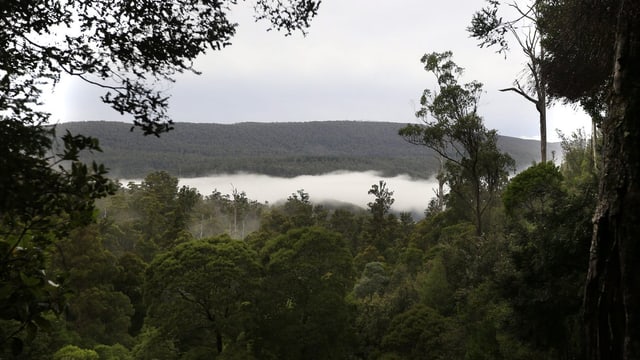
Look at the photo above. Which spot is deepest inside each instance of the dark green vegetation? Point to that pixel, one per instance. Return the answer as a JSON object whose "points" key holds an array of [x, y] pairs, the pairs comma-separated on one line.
{"points": [[472, 165], [277, 149], [589, 54], [494, 271], [166, 273], [162, 272], [46, 194], [610, 41]]}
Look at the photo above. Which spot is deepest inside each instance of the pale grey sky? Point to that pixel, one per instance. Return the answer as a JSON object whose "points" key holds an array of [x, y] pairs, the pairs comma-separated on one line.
{"points": [[359, 61]]}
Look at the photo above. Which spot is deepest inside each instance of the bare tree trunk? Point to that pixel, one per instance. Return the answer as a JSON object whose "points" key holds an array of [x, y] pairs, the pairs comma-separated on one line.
{"points": [[541, 106], [218, 341], [612, 293], [441, 182], [542, 109], [594, 145], [478, 213]]}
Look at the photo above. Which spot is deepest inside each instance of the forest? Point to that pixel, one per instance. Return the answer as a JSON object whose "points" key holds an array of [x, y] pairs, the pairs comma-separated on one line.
{"points": [[275, 149], [164, 272], [540, 264], [494, 270]]}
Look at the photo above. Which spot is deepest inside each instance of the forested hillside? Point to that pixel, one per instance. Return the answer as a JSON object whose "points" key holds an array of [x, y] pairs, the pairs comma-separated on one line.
{"points": [[166, 273], [278, 149], [540, 264]]}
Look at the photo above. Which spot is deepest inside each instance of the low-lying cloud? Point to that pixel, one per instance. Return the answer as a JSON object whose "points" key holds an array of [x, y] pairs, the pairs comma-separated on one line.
{"points": [[411, 195]]}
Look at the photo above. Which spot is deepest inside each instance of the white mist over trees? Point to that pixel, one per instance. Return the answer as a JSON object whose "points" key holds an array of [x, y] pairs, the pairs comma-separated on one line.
{"points": [[337, 187], [497, 272]]}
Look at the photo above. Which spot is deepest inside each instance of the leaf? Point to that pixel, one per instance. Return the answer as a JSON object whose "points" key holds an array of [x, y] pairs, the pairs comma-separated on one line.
{"points": [[42, 323], [32, 330], [29, 281], [5, 291], [16, 346]]}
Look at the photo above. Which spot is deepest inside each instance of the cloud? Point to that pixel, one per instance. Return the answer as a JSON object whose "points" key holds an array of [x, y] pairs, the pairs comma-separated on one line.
{"points": [[411, 195]]}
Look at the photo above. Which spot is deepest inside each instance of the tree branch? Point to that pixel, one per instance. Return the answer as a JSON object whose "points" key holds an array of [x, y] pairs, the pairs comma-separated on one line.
{"points": [[521, 93]]}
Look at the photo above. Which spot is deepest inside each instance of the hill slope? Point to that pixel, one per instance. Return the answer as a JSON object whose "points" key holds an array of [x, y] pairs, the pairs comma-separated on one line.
{"points": [[279, 149]]}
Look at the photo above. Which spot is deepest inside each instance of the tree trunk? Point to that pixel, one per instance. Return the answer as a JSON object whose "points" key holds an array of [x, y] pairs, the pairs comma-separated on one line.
{"points": [[543, 127], [218, 341], [541, 88], [478, 214], [612, 293], [594, 144], [441, 181]]}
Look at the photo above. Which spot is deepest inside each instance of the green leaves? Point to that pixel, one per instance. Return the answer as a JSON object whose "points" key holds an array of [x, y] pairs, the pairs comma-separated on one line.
{"points": [[418, 333], [534, 192], [203, 288], [26, 293], [475, 169], [549, 234], [39, 205], [308, 275], [487, 27], [374, 279], [72, 352], [123, 47], [73, 144]]}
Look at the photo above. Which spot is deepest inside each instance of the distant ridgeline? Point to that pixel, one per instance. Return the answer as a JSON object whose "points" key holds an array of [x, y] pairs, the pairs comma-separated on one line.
{"points": [[276, 149]]}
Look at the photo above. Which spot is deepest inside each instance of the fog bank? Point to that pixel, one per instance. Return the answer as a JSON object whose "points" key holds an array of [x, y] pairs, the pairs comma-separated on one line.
{"points": [[411, 195]]}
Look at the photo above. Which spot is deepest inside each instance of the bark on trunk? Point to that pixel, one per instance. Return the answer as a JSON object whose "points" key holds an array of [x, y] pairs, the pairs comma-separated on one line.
{"points": [[218, 341], [594, 145], [612, 293], [543, 131], [541, 106]]}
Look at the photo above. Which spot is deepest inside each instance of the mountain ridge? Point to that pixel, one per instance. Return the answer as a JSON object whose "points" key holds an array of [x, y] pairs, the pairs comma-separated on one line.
{"points": [[279, 149]]}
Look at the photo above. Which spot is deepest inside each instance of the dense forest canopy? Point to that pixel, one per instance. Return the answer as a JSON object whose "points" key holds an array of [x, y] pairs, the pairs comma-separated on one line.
{"points": [[605, 78], [91, 269], [166, 272], [276, 149], [124, 48]]}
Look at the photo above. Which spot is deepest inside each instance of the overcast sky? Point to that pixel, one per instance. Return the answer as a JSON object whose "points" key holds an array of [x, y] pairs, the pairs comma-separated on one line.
{"points": [[359, 61]]}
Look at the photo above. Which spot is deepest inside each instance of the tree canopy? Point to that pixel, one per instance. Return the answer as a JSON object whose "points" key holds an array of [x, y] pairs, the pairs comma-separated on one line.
{"points": [[475, 169], [594, 55], [124, 47], [201, 293], [579, 61], [495, 274]]}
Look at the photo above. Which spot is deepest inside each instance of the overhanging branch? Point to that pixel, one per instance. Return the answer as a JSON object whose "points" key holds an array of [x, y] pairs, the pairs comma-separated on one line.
{"points": [[521, 93]]}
